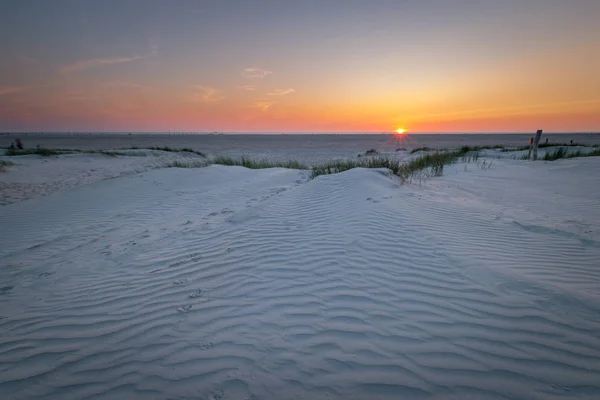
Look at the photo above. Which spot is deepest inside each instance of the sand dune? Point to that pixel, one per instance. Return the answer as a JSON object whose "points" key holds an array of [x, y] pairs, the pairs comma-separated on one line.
{"points": [[228, 283]]}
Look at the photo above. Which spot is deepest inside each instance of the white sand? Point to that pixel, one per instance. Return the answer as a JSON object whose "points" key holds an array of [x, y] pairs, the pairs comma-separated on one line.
{"points": [[33, 175], [227, 283]]}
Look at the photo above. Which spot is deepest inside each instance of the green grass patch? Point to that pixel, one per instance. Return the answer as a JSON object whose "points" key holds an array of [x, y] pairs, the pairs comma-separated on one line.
{"points": [[4, 163], [431, 164], [104, 152], [518, 148], [56, 152], [468, 149], [258, 164], [546, 145], [40, 152], [563, 152], [413, 151], [542, 145], [186, 164], [166, 148], [112, 153]]}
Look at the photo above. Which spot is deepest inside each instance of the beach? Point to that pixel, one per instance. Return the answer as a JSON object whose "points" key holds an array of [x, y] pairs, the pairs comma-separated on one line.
{"points": [[300, 200], [126, 276], [309, 148]]}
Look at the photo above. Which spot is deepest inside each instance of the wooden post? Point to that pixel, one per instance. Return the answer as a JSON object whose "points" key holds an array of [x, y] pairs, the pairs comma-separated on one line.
{"points": [[536, 141]]}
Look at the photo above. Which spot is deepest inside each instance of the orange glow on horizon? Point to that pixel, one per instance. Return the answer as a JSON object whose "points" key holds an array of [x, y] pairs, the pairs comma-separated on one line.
{"points": [[462, 74]]}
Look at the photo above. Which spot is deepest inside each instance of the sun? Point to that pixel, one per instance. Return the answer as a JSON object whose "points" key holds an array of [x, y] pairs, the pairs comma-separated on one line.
{"points": [[400, 131]]}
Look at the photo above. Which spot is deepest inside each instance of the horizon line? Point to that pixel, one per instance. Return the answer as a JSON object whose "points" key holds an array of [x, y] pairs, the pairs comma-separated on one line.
{"points": [[586, 132]]}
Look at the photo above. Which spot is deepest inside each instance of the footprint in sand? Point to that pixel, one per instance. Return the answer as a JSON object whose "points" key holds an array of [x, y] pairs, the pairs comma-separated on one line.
{"points": [[5, 289], [185, 308], [278, 190], [176, 264], [196, 294], [180, 282], [216, 395], [207, 346]]}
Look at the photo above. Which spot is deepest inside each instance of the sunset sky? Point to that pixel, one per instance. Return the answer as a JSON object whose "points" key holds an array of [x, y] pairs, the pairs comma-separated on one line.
{"points": [[300, 66]]}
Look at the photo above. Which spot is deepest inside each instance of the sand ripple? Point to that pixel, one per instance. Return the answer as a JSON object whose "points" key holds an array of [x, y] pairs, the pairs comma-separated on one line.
{"points": [[224, 283]]}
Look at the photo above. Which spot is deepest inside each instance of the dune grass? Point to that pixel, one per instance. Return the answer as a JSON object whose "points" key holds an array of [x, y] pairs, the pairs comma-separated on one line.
{"points": [[467, 149], [517, 148], [112, 153], [462, 149], [545, 145], [370, 152], [40, 152], [413, 151], [186, 164], [120, 152], [4, 163], [56, 152], [258, 164], [431, 164], [574, 144], [167, 148], [563, 152]]}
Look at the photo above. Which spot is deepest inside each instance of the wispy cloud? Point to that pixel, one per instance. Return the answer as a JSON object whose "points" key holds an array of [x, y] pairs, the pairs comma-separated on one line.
{"points": [[248, 88], [87, 64], [207, 94], [281, 92], [255, 73], [12, 89], [263, 105]]}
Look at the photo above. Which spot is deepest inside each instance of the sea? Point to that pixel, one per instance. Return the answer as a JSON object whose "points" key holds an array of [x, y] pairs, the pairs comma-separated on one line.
{"points": [[286, 146]]}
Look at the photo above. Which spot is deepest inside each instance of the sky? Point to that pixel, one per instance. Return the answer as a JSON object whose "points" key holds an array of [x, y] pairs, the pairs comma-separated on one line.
{"points": [[300, 66]]}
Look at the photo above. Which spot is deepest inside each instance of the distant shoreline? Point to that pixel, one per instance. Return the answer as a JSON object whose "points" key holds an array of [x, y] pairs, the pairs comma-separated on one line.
{"points": [[32, 133]]}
